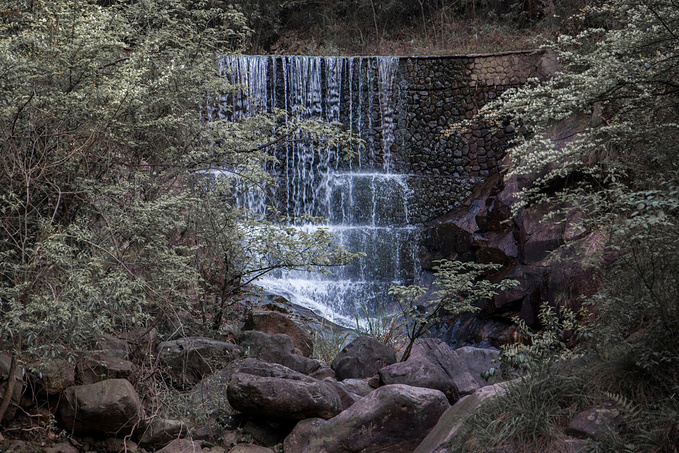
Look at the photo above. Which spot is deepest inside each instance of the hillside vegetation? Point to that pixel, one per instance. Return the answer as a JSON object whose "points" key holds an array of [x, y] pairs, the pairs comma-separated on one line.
{"points": [[402, 27]]}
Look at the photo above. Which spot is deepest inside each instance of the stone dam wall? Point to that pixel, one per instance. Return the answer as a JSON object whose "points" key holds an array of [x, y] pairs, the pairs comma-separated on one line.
{"points": [[446, 166]]}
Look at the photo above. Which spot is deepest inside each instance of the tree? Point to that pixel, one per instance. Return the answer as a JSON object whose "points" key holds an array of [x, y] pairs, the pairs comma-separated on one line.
{"points": [[619, 169], [104, 142], [616, 97], [460, 286]]}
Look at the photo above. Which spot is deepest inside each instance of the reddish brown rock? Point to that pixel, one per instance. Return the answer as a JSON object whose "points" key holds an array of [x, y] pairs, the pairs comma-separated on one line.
{"points": [[271, 323], [277, 348]]}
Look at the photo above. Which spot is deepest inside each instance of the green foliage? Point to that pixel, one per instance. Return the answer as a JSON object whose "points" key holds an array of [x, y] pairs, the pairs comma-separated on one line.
{"points": [[619, 170], [397, 26], [105, 144], [99, 120], [460, 286], [600, 139], [384, 326], [328, 341], [530, 412], [550, 343]]}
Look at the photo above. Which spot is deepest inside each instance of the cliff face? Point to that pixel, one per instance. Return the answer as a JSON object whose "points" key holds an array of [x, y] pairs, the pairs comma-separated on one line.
{"points": [[547, 257]]}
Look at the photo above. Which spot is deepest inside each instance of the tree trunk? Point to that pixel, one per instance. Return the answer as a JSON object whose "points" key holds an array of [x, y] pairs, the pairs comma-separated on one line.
{"points": [[9, 390]]}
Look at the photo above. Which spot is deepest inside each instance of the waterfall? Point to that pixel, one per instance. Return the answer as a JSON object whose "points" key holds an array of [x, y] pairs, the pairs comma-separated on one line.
{"points": [[366, 201]]}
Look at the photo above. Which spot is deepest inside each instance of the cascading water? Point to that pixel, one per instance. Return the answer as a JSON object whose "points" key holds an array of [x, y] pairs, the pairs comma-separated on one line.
{"points": [[366, 200]]}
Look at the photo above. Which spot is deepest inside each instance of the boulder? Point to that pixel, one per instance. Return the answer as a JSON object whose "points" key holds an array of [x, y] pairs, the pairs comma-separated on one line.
{"points": [[362, 358], [420, 372], [267, 433], [114, 445], [298, 439], [537, 237], [15, 446], [323, 373], [61, 447], [157, 432], [271, 323], [595, 422], [115, 346], [5, 365], [181, 446], [348, 398], [53, 376], [478, 360], [100, 365], [110, 408], [277, 348], [209, 395], [444, 432], [187, 360], [356, 386], [393, 418], [271, 390], [432, 364], [243, 448]]}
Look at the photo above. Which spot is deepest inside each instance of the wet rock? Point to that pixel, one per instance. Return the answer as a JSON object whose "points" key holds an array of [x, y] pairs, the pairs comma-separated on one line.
{"points": [[277, 348], [362, 358], [187, 360], [393, 418], [110, 407]]}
